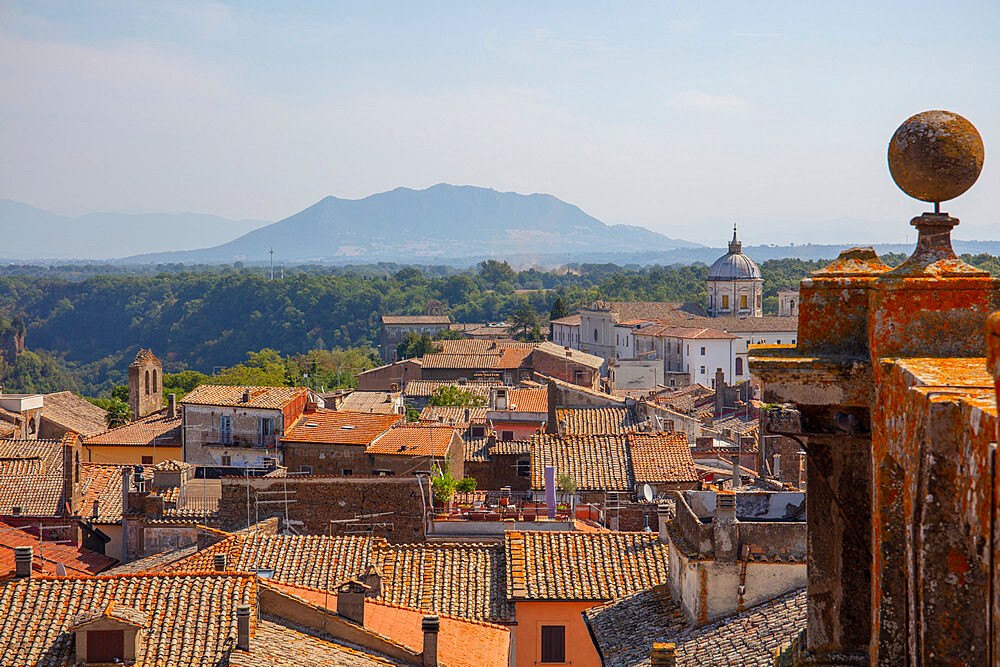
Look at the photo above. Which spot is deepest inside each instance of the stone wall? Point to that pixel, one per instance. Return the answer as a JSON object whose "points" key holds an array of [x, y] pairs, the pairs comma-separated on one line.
{"points": [[501, 471], [315, 501]]}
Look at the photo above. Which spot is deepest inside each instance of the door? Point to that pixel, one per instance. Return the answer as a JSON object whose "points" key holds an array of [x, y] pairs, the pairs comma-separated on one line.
{"points": [[105, 645]]}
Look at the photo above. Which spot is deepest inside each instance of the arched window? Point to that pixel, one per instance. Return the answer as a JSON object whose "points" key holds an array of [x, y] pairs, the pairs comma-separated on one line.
{"points": [[77, 468], [147, 382], [739, 366], [154, 380], [595, 335]]}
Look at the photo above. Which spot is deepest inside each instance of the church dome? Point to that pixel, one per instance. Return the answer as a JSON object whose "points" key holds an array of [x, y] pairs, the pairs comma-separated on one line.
{"points": [[734, 265]]}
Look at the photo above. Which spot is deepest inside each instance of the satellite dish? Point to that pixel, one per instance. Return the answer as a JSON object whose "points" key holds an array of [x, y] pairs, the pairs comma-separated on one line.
{"points": [[647, 493]]}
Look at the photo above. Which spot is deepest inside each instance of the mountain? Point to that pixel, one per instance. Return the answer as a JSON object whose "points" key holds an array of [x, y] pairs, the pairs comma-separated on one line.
{"points": [[432, 225], [30, 233]]}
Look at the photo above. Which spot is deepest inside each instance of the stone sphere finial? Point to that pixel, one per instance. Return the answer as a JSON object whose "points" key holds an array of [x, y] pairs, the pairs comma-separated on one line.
{"points": [[935, 156]]}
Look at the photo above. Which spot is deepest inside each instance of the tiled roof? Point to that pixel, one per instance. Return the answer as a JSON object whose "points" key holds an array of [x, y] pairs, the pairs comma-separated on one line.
{"points": [[454, 414], [529, 400], [282, 644], [477, 449], [594, 421], [508, 447], [192, 619], [464, 346], [625, 630], [672, 331], [156, 428], [576, 356], [465, 580], [171, 464], [144, 356], [118, 612], [686, 399], [575, 388], [103, 482], [31, 477], [461, 642], [155, 563], [738, 423], [424, 388], [274, 398], [648, 310], [76, 559], [471, 361], [596, 463], [339, 427], [414, 440], [379, 402], [511, 358], [546, 565], [307, 560], [661, 457], [416, 319], [74, 413], [571, 320], [693, 315]]}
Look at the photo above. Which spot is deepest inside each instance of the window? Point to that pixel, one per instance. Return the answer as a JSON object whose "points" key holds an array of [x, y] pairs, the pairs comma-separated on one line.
{"points": [[739, 365], [227, 460], [553, 643], [307, 470], [226, 430], [578, 376], [147, 460], [154, 380], [383, 473], [347, 472], [779, 341], [266, 428], [725, 301], [743, 301], [478, 431], [147, 382], [671, 383], [595, 335], [506, 436], [702, 370], [793, 341], [76, 469], [703, 352], [523, 468]]}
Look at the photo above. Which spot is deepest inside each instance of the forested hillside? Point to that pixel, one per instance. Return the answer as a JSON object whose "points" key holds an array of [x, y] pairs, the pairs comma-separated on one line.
{"points": [[204, 320]]}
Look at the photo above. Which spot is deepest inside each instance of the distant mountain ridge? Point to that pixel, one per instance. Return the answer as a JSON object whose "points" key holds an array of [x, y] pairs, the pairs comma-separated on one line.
{"points": [[432, 225], [31, 232]]}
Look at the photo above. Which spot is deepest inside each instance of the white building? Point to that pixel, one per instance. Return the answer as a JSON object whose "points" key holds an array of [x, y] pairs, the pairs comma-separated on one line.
{"points": [[734, 287], [566, 331], [788, 303], [695, 353]]}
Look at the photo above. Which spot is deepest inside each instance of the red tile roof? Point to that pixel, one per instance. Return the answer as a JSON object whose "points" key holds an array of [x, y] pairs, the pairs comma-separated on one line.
{"points": [[74, 413], [415, 319], [46, 555], [339, 427], [274, 398], [454, 414], [529, 400], [596, 463], [661, 457], [594, 421], [414, 440], [671, 331], [156, 428], [31, 477]]}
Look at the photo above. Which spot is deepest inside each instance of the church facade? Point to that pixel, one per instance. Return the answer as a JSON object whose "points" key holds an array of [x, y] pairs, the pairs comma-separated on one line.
{"points": [[734, 287]]}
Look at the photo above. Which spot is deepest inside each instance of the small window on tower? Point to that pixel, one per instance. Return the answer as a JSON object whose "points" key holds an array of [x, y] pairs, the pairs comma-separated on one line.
{"points": [[743, 301], [725, 301]]}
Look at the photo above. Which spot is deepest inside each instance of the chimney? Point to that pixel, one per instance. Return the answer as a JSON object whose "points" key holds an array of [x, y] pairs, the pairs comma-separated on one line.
{"points": [[663, 655], [720, 391], [373, 580], [662, 517], [776, 466], [394, 387], [243, 627], [468, 415], [430, 625], [219, 562], [613, 522], [70, 472], [246, 395], [735, 482], [351, 601], [97, 509], [725, 531], [702, 443], [172, 405], [22, 562], [551, 427], [126, 485]]}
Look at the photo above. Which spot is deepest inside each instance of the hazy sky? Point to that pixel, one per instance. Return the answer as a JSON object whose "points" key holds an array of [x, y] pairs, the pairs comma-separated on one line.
{"points": [[678, 116]]}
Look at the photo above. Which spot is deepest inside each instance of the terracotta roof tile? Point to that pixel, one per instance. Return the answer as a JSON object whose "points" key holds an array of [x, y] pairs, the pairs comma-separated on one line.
{"points": [[103, 482], [529, 400], [414, 440], [471, 361], [454, 414], [569, 320], [625, 630], [274, 398], [339, 427], [31, 477], [672, 331], [415, 319], [424, 388], [576, 356], [46, 555], [661, 457], [191, 619], [596, 463], [378, 402], [155, 428], [595, 421], [546, 565], [74, 413], [283, 644]]}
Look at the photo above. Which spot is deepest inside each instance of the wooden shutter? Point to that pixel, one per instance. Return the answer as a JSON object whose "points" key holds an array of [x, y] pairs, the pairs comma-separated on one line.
{"points": [[553, 643]]}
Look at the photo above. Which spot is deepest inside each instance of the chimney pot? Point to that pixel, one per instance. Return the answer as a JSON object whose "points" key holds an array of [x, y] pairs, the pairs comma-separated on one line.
{"points": [[662, 517], [663, 655], [97, 509], [219, 562], [246, 395], [351, 601], [430, 625], [243, 627], [22, 562], [172, 405]]}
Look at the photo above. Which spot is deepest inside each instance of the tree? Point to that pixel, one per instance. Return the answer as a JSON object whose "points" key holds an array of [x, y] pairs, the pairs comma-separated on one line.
{"points": [[523, 324], [559, 309], [567, 485], [118, 413], [454, 396], [412, 414], [415, 345], [493, 272], [261, 369], [442, 482], [120, 392]]}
